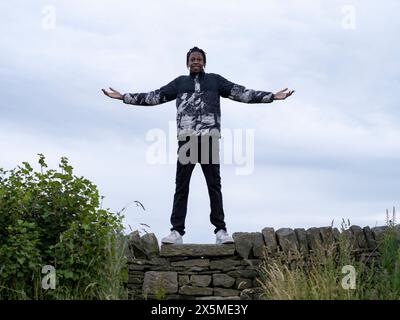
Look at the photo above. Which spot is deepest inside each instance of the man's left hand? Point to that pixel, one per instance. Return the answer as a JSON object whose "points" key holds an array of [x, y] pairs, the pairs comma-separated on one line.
{"points": [[283, 94]]}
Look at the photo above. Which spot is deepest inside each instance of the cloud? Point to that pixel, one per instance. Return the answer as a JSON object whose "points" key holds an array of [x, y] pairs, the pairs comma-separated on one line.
{"points": [[330, 151]]}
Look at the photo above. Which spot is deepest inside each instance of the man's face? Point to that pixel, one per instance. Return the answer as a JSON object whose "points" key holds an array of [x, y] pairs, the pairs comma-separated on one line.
{"points": [[196, 62]]}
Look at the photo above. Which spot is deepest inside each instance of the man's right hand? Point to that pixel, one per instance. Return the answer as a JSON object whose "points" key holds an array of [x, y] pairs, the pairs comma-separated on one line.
{"points": [[113, 94]]}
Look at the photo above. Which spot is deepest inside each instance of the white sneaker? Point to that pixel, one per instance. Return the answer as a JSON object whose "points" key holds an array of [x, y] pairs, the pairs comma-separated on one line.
{"points": [[173, 238], [223, 237]]}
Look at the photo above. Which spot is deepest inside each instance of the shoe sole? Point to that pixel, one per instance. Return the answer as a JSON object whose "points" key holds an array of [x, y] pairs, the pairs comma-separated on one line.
{"points": [[172, 242], [225, 242]]}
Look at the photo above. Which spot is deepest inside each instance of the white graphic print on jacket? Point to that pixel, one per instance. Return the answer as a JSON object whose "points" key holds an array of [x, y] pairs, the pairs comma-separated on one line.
{"points": [[198, 101]]}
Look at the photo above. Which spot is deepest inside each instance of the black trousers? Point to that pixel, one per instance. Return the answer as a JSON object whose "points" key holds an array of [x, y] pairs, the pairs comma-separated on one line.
{"points": [[203, 150]]}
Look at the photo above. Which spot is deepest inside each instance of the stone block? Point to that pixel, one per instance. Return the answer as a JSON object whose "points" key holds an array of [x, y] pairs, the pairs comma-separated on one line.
{"points": [[197, 250], [226, 292], [243, 243], [223, 280], [200, 280], [270, 240], [191, 263], [150, 245], [287, 240], [160, 281], [195, 291], [301, 236]]}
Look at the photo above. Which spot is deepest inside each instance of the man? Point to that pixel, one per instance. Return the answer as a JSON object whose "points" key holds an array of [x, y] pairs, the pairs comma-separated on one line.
{"points": [[198, 122]]}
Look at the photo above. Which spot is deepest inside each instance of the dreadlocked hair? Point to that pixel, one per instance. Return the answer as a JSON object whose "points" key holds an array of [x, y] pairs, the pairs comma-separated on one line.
{"points": [[196, 49]]}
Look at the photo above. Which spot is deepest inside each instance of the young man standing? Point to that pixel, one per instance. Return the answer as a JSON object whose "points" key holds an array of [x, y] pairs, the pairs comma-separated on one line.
{"points": [[198, 126]]}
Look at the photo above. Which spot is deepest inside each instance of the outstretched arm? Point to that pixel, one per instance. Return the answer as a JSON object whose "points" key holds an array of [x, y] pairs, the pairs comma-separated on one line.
{"points": [[162, 95], [239, 93]]}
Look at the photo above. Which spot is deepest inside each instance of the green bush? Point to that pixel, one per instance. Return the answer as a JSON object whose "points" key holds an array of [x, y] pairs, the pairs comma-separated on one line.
{"points": [[53, 218]]}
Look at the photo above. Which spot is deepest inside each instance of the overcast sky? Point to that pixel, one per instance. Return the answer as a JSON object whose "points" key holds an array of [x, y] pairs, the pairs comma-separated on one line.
{"points": [[328, 152]]}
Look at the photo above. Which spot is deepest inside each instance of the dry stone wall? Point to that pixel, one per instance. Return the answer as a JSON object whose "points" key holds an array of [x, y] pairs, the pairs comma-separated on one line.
{"points": [[228, 271]]}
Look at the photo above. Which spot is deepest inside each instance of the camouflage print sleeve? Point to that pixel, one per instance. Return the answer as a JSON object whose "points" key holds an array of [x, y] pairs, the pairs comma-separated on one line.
{"points": [[159, 96], [239, 93]]}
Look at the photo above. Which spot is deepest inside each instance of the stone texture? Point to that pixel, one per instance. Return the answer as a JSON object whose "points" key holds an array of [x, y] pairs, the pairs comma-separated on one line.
{"points": [[243, 243], [197, 269], [287, 240], [135, 267], [223, 280], [301, 236], [314, 239], [369, 237], [270, 240], [192, 263], [218, 298], [154, 281], [229, 272], [326, 236], [167, 297], [378, 233], [135, 279], [150, 245], [224, 264], [226, 292], [197, 250], [243, 274], [251, 262], [359, 237], [195, 291], [157, 261], [200, 280], [208, 272], [135, 245], [258, 244], [183, 279]]}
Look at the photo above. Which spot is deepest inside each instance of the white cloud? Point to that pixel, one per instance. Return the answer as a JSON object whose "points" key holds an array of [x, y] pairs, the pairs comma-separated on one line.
{"points": [[328, 152]]}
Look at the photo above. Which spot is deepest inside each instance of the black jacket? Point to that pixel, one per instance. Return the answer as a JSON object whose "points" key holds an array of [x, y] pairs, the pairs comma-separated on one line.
{"points": [[198, 101]]}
